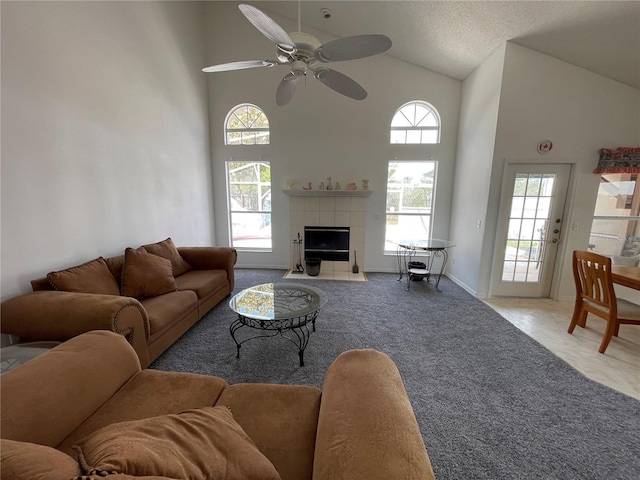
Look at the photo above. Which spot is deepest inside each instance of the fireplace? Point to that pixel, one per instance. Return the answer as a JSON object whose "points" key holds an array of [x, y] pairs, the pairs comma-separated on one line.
{"points": [[327, 243]]}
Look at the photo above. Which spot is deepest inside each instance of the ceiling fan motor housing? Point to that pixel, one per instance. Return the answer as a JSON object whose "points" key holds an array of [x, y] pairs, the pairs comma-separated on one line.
{"points": [[306, 45]]}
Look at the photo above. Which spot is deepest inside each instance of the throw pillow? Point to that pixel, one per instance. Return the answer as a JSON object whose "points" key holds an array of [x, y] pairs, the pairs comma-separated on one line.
{"points": [[205, 443], [168, 250], [146, 275], [90, 277], [30, 461]]}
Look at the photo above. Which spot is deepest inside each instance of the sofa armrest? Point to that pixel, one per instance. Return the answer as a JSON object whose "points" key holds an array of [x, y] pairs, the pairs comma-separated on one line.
{"points": [[366, 426], [55, 315], [211, 258]]}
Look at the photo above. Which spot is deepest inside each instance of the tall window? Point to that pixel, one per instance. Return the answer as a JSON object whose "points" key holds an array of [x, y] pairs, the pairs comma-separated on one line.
{"points": [[415, 123], [249, 187], [410, 194], [246, 124], [615, 230]]}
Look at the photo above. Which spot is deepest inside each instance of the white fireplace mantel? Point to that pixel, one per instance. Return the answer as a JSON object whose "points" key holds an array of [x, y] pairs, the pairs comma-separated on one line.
{"points": [[328, 193]]}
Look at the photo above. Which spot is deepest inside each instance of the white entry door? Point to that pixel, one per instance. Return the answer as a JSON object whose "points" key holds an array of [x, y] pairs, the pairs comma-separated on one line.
{"points": [[529, 229]]}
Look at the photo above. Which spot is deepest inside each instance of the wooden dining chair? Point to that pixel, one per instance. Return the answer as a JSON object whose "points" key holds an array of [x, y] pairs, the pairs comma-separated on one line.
{"points": [[595, 294]]}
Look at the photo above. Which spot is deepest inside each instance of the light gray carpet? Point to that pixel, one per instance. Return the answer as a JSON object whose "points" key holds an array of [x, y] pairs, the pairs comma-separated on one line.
{"points": [[491, 402]]}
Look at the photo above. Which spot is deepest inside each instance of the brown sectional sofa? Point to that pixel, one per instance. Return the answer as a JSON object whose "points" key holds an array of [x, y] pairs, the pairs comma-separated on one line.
{"points": [[359, 426], [151, 295]]}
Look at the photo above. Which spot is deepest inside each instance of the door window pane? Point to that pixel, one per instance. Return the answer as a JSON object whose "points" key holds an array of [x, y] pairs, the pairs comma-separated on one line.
{"points": [[527, 231]]}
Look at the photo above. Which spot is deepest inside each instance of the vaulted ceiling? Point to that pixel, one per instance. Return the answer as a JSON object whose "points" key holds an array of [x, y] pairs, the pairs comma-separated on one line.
{"points": [[454, 37]]}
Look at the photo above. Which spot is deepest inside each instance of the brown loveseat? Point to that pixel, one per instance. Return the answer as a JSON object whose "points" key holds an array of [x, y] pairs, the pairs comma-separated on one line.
{"points": [[90, 393], [151, 295]]}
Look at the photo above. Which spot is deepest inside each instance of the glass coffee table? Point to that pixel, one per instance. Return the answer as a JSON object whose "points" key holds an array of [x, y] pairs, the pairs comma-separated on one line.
{"points": [[271, 309]]}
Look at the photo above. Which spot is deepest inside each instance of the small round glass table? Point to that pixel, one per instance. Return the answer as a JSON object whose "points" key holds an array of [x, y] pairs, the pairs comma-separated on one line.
{"points": [[271, 309], [407, 250]]}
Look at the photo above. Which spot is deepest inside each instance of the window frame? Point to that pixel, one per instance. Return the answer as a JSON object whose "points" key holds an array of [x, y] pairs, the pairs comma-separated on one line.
{"points": [[414, 126], [621, 248], [256, 131], [260, 210], [430, 204]]}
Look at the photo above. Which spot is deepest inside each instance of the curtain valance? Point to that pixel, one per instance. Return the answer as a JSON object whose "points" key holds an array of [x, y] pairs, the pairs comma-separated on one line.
{"points": [[619, 160]]}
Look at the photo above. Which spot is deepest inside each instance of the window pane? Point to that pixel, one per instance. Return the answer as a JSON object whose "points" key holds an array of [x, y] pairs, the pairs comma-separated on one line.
{"points": [[517, 205], [413, 116], [399, 120], [533, 187], [530, 207], [247, 125], [398, 136], [413, 136], [249, 187], [615, 230], [410, 187], [429, 136], [234, 138], [403, 227], [520, 185]]}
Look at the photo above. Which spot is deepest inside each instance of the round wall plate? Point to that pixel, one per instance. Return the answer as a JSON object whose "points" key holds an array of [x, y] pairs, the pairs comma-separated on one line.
{"points": [[545, 147]]}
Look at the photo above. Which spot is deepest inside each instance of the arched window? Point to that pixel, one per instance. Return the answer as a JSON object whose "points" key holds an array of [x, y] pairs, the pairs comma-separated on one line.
{"points": [[246, 124], [415, 123]]}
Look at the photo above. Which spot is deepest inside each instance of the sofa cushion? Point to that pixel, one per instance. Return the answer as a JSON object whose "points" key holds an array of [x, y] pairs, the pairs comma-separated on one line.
{"points": [[168, 250], [204, 443], [146, 275], [90, 277], [166, 310], [282, 423], [148, 394], [203, 282], [115, 265], [30, 461]]}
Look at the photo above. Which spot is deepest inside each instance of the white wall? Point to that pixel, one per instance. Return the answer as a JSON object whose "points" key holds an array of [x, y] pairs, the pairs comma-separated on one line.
{"points": [[104, 132], [474, 162], [581, 112], [321, 133]]}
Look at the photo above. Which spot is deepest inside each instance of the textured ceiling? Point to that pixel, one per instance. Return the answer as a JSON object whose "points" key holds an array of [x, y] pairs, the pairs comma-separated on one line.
{"points": [[454, 37]]}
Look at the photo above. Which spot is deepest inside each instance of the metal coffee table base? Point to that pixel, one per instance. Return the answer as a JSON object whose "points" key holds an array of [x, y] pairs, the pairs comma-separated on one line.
{"points": [[296, 330]]}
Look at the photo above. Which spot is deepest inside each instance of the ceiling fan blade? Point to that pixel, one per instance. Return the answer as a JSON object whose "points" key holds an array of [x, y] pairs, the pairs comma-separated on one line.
{"points": [[352, 48], [341, 83], [286, 89], [268, 27], [225, 67]]}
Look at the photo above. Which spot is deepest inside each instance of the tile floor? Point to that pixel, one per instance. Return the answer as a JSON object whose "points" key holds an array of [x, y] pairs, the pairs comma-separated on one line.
{"points": [[546, 321], [329, 275]]}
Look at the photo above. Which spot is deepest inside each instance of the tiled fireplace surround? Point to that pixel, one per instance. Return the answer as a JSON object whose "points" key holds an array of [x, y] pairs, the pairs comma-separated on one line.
{"points": [[329, 211]]}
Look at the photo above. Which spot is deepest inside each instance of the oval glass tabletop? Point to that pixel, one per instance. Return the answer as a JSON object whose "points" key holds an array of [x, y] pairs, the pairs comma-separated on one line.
{"points": [[275, 301]]}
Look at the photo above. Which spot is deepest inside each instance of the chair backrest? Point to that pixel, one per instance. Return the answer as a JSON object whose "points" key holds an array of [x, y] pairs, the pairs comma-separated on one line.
{"points": [[592, 274]]}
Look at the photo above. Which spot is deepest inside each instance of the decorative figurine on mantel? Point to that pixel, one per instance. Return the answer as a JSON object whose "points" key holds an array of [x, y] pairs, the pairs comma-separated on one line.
{"points": [[329, 186], [352, 186], [338, 187], [321, 186], [365, 184], [308, 187]]}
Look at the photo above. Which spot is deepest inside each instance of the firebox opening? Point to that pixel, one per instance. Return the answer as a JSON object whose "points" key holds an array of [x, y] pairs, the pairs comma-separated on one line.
{"points": [[327, 243]]}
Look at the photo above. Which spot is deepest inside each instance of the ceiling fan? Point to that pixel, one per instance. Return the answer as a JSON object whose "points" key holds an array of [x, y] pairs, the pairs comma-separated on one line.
{"points": [[304, 53]]}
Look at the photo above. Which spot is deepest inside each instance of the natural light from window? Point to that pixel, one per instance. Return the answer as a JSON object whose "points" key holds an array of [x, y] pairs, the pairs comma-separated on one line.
{"points": [[249, 187], [246, 124], [410, 193], [415, 123], [615, 230]]}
